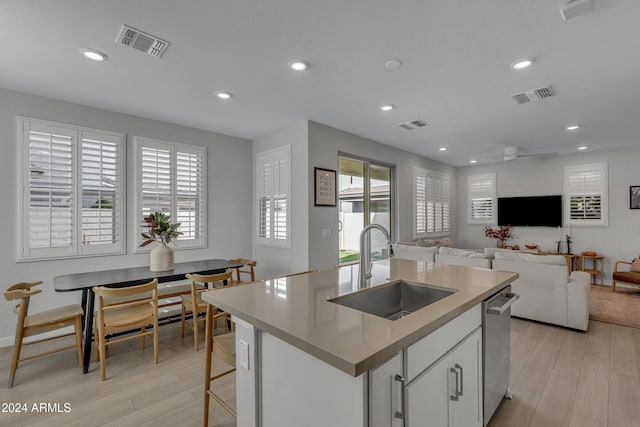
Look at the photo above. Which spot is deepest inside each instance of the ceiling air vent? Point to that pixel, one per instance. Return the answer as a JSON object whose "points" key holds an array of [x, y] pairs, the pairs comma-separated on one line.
{"points": [[533, 95], [144, 42], [413, 124]]}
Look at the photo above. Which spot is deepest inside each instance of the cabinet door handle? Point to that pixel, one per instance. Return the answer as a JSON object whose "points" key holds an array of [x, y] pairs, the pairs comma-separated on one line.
{"points": [[455, 395], [461, 379], [400, 413]]}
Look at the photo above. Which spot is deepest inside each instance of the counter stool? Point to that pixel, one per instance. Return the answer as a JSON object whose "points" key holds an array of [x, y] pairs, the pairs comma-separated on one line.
{"points": [[224, 348]]}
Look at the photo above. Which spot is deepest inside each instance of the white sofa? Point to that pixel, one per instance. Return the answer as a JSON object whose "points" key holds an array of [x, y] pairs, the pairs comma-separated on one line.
{"points": [[548, 293], [464, 257], [416, 253]]}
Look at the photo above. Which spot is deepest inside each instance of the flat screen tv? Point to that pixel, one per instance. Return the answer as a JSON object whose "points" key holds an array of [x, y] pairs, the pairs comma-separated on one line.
{"points": [[533, 211]]}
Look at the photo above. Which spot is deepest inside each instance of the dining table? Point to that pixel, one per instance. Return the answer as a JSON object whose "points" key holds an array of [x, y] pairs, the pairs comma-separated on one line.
{"points": [[123, 277]]}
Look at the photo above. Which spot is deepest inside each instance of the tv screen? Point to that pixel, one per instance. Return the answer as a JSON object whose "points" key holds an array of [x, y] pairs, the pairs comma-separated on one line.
{"points": [[535, 211]]}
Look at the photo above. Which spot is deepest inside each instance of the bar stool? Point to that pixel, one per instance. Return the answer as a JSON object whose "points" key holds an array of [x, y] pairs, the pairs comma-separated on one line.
{"points": [[224, 348]]}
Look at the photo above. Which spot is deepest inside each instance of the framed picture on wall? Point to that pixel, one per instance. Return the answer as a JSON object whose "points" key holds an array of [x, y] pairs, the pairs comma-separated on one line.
{"points": [[634, 197], [325, 187]]}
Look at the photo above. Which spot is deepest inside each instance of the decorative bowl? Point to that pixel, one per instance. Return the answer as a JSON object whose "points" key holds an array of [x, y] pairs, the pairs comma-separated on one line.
{"points": [[531, 246]]}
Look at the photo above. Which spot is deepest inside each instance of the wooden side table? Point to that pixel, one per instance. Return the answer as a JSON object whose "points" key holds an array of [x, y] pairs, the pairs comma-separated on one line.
{"points": [[597, 266]]}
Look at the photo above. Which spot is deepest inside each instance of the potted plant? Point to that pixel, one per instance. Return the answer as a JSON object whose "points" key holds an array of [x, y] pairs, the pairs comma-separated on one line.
{"points": [[160, 230], [501, 234]]}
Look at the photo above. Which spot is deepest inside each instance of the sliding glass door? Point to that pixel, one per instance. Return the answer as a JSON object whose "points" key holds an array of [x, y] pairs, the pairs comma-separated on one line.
{"points": [[365, 196]]}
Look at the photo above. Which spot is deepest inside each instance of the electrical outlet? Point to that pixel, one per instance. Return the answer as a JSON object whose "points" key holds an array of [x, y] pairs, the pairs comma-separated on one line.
{"points": [[244, 354]]}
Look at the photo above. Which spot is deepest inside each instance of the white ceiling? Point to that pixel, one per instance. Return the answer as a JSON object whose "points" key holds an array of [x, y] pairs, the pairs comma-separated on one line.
{"points": [[455, 72]]}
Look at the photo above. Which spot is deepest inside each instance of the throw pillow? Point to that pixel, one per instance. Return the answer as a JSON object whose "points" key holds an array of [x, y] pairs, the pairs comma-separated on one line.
{"points": [[445, 242], [635, 265]]}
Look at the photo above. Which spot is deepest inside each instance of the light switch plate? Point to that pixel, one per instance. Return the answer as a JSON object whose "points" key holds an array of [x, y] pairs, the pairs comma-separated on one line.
{"points": [[244, 354]]}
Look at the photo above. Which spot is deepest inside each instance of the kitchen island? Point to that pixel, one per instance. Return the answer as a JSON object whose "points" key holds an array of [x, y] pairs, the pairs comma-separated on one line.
{"points": [[304, 360]]}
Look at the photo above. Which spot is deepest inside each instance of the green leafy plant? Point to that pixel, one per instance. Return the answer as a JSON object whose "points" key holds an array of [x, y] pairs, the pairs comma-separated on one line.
{"points": [[160, 229]]}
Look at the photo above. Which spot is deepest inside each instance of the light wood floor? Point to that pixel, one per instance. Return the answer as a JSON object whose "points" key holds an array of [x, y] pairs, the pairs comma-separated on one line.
{"points": [[559, 378], [137, 392], [562, 377]]}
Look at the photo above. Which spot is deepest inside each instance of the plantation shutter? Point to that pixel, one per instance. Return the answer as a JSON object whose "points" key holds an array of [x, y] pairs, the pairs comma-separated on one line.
{"points": [[273, 188], [172, 180], [72, 194], [432, 206], [481, 194], [102, 209], [50, 193], [586, 194]]}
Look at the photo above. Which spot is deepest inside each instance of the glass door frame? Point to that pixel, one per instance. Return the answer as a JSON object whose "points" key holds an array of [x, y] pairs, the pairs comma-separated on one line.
{"points": [[366, 197]]}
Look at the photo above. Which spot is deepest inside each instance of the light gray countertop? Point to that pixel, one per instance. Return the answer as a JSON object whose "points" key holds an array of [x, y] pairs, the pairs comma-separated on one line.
{"points": [[296, 310]]}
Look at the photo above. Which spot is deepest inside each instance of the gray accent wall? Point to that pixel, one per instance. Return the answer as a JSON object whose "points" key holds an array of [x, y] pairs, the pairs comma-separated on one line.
{"points": [[229, 184], [325, 144], [545, 176]]}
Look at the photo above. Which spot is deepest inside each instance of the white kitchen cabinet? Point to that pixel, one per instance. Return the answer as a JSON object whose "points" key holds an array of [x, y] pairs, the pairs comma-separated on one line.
{"points": [[385, 388], [448, 393]]}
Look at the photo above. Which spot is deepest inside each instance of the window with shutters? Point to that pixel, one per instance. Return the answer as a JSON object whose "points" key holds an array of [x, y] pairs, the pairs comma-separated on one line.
{"points": [[273, 190], [586, 194], [171, 178], [72, 201], [481, 199], [432, 204]]}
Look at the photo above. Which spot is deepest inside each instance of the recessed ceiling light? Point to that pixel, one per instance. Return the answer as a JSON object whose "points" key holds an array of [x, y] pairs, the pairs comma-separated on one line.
{"points": [[573, 127], [93, 54], [298, 64], [387, 107], [224, 95], [442, 148], [521, 64], [392, 64], [582, 147], [473, 161]]}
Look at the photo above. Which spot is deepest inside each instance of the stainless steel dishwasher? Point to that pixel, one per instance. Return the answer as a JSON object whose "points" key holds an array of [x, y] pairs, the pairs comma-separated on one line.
{"points": [[496, 321]]}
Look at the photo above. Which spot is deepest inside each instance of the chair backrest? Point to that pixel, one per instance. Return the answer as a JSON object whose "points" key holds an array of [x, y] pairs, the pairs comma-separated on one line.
{"points": [[145, 293], [251, 264], [23, 292], [204, 279]]}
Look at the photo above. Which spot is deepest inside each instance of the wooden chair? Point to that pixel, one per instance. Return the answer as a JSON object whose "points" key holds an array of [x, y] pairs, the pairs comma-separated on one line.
{"points": [[249, 270], [139, 310], [624, 276], [50, 320], [224, 348], [193, 302]]}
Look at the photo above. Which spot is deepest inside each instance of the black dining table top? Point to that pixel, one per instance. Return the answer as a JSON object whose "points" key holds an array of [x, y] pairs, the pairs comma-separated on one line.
{"points": [[137, 275]]}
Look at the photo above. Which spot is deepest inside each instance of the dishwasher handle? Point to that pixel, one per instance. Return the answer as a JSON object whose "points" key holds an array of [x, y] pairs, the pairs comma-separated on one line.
{"points": [[513, 297]]}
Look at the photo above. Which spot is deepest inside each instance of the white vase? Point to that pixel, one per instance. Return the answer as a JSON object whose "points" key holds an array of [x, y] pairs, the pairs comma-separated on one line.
{"points": [[161, 258]]}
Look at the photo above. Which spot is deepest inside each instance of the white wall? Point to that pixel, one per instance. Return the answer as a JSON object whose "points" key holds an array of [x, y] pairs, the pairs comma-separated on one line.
{"points": [[544, 176], [229, 201], [324, 145], [273, 262]]}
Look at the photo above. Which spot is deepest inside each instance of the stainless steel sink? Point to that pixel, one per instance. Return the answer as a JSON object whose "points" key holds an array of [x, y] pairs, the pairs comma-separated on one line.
{"points": [[394, 300]]}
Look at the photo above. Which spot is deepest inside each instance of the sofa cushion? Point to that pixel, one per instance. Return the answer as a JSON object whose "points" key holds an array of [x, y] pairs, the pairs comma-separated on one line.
{"points": [[531, 258], [461, 253]]}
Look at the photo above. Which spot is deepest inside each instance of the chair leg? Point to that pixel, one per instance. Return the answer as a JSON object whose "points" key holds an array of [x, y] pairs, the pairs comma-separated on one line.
{"points": [[142, 337], [79, 339], [194, 320], [613, 286], [155, 339], [103, 357], [17, 348], [182, 320], [208, 338]]}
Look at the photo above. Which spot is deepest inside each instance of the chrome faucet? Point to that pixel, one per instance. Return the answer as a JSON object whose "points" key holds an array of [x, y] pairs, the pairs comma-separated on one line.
{"points": [[365, 253]]}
